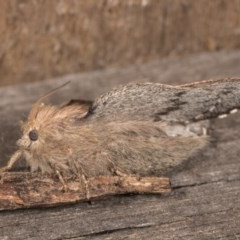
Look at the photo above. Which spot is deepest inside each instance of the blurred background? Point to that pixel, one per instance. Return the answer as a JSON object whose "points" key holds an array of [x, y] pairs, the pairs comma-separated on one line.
{"points": [[43, 39]]}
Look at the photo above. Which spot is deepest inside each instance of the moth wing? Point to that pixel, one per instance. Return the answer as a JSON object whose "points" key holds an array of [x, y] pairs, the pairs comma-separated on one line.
{"points": [[76, 102], [159, 102]]}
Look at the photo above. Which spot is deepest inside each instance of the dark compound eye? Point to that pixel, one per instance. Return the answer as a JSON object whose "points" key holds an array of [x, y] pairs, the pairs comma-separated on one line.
{"points": [[33, 135]]}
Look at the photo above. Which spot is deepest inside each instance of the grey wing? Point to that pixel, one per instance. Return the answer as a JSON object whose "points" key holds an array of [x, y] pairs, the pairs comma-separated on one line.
{"points": [[159, 102]]}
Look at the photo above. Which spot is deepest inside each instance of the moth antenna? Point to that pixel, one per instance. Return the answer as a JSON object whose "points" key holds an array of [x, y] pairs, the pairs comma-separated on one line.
{"points": [[36, 105]]}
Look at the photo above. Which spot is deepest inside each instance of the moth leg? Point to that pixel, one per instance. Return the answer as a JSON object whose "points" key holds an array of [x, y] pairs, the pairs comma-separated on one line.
{"points": [[85, 181], [11, 162], [125, 175], [115, 171], [119, 173], [82, 176], [60, 177]]}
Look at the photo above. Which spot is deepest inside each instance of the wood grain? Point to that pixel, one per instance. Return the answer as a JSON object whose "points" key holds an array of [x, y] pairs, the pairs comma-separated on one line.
{"points": [[24, 190], [205, 201]]}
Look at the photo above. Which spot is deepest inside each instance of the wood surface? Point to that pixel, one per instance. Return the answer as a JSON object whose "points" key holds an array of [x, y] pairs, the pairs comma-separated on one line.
{"points": [[205, 200], [24, 190]]}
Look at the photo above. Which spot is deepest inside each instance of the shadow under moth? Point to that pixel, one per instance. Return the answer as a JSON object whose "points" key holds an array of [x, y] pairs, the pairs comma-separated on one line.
{"points": [[127, 140]]}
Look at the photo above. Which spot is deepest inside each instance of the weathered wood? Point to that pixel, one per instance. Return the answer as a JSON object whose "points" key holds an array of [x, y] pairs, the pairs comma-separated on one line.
{"points": [[204, 203], [204, 211], [84, 35], [24, 190]]}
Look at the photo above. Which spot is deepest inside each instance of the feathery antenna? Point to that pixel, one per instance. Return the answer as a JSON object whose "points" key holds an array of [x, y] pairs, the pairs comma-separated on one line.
{"points": [[36, 105]]}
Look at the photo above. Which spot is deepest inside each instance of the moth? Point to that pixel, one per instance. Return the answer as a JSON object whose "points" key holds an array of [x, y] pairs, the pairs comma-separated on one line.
{"points": [[145, 129]]}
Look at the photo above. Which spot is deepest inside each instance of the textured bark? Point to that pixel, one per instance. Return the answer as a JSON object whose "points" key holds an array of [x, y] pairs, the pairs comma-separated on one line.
{"points": [[24, 190]]}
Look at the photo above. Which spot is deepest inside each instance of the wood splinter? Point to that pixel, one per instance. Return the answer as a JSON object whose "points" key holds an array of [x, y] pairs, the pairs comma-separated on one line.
{"points": [[25, 190]]}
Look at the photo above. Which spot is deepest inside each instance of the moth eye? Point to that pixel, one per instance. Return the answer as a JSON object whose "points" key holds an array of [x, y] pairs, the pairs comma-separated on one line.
{"points": [[33, 135]]}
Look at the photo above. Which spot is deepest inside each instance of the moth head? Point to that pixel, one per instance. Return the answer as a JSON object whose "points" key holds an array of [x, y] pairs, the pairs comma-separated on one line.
{"points": [[35, 129], [32, 127], [50, 124], [27, 139]]}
